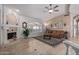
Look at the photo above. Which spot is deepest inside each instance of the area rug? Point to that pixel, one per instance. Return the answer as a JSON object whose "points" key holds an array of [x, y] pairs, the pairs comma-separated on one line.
{"points": [[53, 41]]}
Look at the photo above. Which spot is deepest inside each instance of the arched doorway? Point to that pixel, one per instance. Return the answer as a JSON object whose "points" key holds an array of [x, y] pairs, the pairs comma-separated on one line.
{"points": [[76, 27]]}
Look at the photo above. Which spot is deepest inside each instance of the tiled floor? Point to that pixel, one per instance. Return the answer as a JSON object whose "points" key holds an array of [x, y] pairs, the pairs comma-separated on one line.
{"points": [[32, 46], [75, 40]]}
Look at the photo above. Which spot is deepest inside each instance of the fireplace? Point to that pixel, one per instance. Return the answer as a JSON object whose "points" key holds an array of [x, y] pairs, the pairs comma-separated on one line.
{"points": [[11, 35]]}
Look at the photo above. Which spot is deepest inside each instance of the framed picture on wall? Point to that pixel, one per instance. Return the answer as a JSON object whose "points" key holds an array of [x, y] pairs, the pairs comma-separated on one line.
{"points": [[24, 25]]}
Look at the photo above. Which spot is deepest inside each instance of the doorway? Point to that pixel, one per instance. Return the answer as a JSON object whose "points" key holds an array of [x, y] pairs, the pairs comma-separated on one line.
{"points": [[76, 28]]}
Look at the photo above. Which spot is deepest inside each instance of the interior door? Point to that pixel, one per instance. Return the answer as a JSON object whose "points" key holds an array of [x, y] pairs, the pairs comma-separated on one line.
{"points": [[77, 31], [76, 28]]}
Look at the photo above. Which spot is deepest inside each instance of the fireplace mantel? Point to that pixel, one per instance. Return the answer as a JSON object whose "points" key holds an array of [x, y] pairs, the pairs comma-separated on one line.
{"points": [[11, 35]]}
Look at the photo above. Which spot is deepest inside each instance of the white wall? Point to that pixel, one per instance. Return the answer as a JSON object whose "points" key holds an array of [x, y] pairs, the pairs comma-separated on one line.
{"points": [[12, 20], [30, 22]]}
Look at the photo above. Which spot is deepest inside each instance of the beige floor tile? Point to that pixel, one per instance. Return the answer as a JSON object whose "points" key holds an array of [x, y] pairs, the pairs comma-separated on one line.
{"points": [[32, 46]]}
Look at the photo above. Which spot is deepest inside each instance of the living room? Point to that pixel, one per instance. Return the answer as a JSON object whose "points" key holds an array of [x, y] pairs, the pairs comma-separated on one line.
{"points": [[50, 27]]}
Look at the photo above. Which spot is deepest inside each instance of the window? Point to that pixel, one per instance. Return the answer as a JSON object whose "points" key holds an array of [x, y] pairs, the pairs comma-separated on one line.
{"points": [[35, 27]]}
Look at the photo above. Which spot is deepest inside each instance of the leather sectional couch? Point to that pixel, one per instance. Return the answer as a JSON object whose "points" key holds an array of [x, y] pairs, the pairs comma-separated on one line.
{"points": [[55, 34]]}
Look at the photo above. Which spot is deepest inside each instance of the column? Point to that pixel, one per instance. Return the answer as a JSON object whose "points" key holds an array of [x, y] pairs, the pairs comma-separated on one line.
{"points": [[3, 27]]}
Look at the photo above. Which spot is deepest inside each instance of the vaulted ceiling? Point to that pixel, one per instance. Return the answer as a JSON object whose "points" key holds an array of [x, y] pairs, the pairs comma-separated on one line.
{"points": [[37, 10]]}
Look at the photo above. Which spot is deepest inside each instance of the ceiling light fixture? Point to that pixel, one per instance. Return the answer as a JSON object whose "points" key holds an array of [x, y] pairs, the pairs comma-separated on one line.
{"points": [[50, 11], [51, 8]]}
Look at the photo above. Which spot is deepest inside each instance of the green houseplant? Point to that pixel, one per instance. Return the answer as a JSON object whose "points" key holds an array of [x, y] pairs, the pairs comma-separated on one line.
{"points": [[26, 32]]}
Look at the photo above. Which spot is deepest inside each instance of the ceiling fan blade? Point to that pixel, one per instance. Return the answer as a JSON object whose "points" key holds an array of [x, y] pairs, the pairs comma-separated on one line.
{"points": [[46, 7], [56, 6], [56, 10]]}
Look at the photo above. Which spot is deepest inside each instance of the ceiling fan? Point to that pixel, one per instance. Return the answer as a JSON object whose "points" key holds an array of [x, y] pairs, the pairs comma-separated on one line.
{"points": [[51, 8]]}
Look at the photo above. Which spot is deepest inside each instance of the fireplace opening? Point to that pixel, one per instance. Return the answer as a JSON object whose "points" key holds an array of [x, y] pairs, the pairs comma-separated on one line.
{"points": [[11, 35]]}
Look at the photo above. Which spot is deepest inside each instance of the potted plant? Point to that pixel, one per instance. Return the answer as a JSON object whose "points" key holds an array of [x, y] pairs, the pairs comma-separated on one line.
{"points": [[26, 32]]}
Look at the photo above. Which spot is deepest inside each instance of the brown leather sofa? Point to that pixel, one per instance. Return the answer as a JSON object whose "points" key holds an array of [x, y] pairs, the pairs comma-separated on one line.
{"points": [[55, 33]]}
